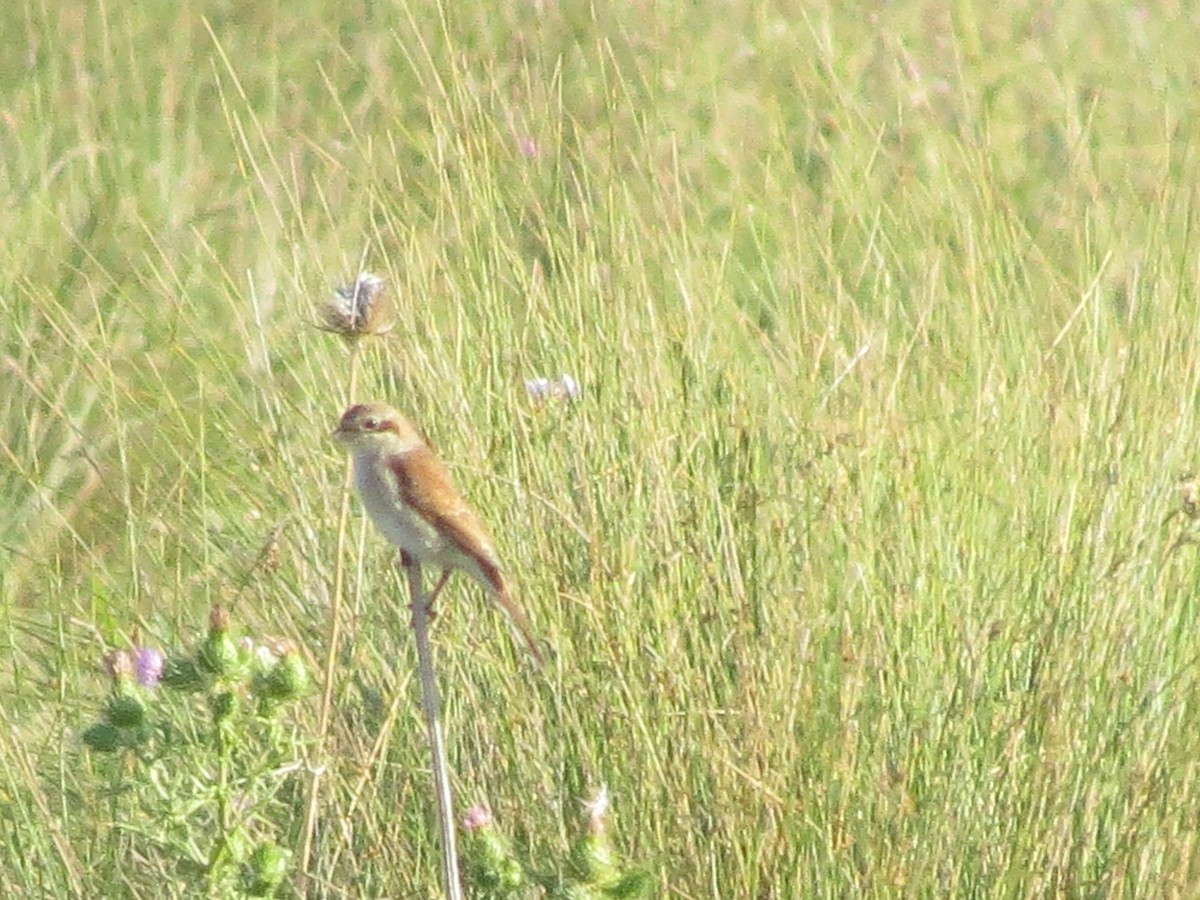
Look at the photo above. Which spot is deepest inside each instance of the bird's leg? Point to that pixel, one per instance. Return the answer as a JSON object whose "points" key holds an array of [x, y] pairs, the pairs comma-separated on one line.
{"points": [[436, 589], [407, 563]]}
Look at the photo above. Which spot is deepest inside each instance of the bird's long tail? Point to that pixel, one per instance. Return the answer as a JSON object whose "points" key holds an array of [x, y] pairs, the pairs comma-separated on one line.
{"points": [[520, 623]]}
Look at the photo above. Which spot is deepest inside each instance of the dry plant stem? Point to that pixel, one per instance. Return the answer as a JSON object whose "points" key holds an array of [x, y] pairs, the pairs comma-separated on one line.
{"points": [[332, 639], [433, 723]]}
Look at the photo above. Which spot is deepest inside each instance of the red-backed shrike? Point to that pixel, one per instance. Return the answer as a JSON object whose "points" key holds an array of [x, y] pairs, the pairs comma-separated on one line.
{"points": [[409, 496]]}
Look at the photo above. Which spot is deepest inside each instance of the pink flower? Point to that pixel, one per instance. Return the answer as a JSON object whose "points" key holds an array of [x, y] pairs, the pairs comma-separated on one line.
{"points": [[528, 147], [477, 817]]}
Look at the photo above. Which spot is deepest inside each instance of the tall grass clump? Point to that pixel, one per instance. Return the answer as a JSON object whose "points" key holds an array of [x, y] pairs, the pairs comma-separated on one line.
{"points": [[864, 548]]}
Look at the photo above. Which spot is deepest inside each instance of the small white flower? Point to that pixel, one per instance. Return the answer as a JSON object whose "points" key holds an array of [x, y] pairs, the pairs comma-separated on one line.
{"points": [[562, 388], [597, 807], [265, 657], [570, 387], [538, 388]]}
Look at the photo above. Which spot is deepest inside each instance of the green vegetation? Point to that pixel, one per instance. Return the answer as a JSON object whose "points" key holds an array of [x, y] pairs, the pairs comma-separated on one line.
{"points": [[862, 552]]}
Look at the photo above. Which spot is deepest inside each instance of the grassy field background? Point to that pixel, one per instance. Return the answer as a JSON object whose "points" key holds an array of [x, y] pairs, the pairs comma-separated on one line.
{"points": [[862, 551]]}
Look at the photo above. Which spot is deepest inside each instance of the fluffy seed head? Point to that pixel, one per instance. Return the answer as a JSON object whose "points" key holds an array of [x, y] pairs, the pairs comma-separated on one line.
{"points": [[359, 309]]}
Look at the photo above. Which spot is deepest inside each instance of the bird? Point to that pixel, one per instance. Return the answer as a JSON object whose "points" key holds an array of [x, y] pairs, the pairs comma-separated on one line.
{"points": [[409, 495]]}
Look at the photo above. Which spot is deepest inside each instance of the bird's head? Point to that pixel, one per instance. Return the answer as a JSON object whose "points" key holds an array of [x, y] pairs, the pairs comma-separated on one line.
{"points": [[376, 426]]}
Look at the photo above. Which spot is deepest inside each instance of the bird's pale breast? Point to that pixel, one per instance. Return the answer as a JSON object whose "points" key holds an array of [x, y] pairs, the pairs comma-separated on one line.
{"points": [[399, 523], [407, 529]]}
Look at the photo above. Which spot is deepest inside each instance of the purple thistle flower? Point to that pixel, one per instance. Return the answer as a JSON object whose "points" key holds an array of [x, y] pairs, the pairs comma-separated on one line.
{"points": [[477, 817], [148, 666]]}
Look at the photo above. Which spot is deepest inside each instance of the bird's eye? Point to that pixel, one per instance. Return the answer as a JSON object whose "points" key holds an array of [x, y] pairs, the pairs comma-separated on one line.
{"points": [[371, 424]]}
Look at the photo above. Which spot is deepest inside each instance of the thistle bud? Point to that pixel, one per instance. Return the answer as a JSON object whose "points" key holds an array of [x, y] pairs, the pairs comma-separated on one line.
{"points": [[490, 864], [126, 707], [218, 619], [281, 678], [126, 710], [593, 860], [218, 655], [594, 865], [103, 737], [265, 870]]}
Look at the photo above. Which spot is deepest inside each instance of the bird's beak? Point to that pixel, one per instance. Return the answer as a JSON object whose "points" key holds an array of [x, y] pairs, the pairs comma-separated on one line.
{"points": [[339, 434]]}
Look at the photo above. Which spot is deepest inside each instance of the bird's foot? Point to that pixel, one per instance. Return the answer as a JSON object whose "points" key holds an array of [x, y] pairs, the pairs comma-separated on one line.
{"points": [[422, 606]]}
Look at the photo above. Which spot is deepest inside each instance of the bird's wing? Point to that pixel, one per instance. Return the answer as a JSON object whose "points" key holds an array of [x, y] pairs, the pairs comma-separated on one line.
{"points": [[425, 485]]}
